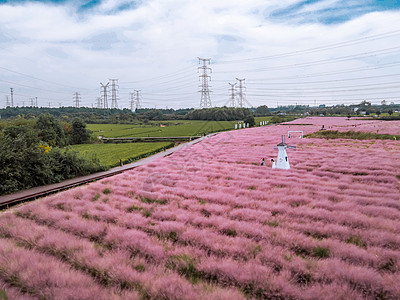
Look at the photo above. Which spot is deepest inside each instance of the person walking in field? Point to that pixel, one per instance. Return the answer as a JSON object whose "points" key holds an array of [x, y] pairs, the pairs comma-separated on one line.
{"points": [[263, 162]]}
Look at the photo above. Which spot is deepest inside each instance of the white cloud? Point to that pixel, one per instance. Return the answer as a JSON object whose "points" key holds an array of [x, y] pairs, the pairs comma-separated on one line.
{"points": [[79, 49]]}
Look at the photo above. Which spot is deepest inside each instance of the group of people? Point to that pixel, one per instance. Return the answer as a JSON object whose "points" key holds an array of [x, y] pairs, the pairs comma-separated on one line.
{"points": [[272, 162]]}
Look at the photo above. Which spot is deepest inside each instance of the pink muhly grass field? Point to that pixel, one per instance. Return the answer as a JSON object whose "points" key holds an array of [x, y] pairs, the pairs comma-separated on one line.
{"points": [[208, 222]]}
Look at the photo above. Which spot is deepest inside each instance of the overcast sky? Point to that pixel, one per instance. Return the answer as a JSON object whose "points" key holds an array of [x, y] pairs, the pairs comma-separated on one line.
{"points": [[289, 51]]}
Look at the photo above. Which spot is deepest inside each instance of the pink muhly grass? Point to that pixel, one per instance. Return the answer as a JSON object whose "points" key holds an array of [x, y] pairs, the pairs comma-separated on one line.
{"points": [[136, 241], [8, 292], [331, 291], [328, 227], [44, 276], [230, 272], [367, 281]]}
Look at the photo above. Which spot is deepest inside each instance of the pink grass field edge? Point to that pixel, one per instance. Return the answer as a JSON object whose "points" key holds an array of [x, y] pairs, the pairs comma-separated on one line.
{"points": [[209, 222]]}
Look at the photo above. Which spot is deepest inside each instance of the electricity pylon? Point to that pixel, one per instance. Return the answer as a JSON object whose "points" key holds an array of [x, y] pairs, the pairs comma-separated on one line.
{"points": [[205, 100], [233, 94], [77, 99], [12, 97], [132, 101], [241, 95], [137, 99], [114, 91], [105, 101]]}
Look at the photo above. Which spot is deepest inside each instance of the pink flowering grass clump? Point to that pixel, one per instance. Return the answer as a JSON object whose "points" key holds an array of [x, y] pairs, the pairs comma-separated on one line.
{"points": [[209, 222]]}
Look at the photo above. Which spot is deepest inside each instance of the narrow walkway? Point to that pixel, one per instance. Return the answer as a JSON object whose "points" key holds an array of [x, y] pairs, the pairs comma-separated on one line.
{"points": [[41, 191]]}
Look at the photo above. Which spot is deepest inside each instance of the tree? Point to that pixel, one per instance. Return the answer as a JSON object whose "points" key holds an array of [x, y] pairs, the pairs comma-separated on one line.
{"points": [[390, 111], [263, 110], [22, 160], [79, 133], [249, 120], [50, 130]]}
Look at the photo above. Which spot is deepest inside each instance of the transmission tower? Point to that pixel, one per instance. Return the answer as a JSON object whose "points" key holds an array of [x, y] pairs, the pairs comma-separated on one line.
{"points": [[114, 91], [241, 95], [233, 94], [12, 97], [77, 99], [7, 101], [33, 102], [99, 103], [105, 101], [205, 100], [132, 101], [137, 100]]}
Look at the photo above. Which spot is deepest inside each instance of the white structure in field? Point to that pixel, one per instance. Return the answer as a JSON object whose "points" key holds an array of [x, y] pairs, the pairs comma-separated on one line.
{"points": [[292, 131], [282, 161]]}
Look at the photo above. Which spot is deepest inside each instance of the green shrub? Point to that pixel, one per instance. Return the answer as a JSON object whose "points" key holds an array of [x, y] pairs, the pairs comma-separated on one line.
{"points": [[321, 252]]}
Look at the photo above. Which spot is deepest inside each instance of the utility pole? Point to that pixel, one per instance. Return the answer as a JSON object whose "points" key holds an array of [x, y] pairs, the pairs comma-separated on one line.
{"points": [[137, 100], [205, 100], [105, 101], [132, 102], [233, 95], [12, 97], [114, 98], [241, 95], [77, 99]]}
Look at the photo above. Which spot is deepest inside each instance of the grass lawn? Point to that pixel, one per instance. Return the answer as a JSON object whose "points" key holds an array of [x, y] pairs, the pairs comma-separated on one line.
{"points": [[110, 154]]}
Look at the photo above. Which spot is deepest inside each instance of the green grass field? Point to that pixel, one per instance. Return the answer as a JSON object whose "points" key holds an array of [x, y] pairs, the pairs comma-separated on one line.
{"points": [[161, 129], [110, 154]]}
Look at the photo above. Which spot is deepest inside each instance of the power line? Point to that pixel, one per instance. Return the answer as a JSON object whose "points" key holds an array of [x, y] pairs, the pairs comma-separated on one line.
{"points": [[317, 49], [325, 61]]}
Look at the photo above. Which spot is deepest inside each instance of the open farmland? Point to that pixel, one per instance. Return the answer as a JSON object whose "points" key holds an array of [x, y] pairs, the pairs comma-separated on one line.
{"points": [[208, 222], [110, 154], [161, 129]]}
